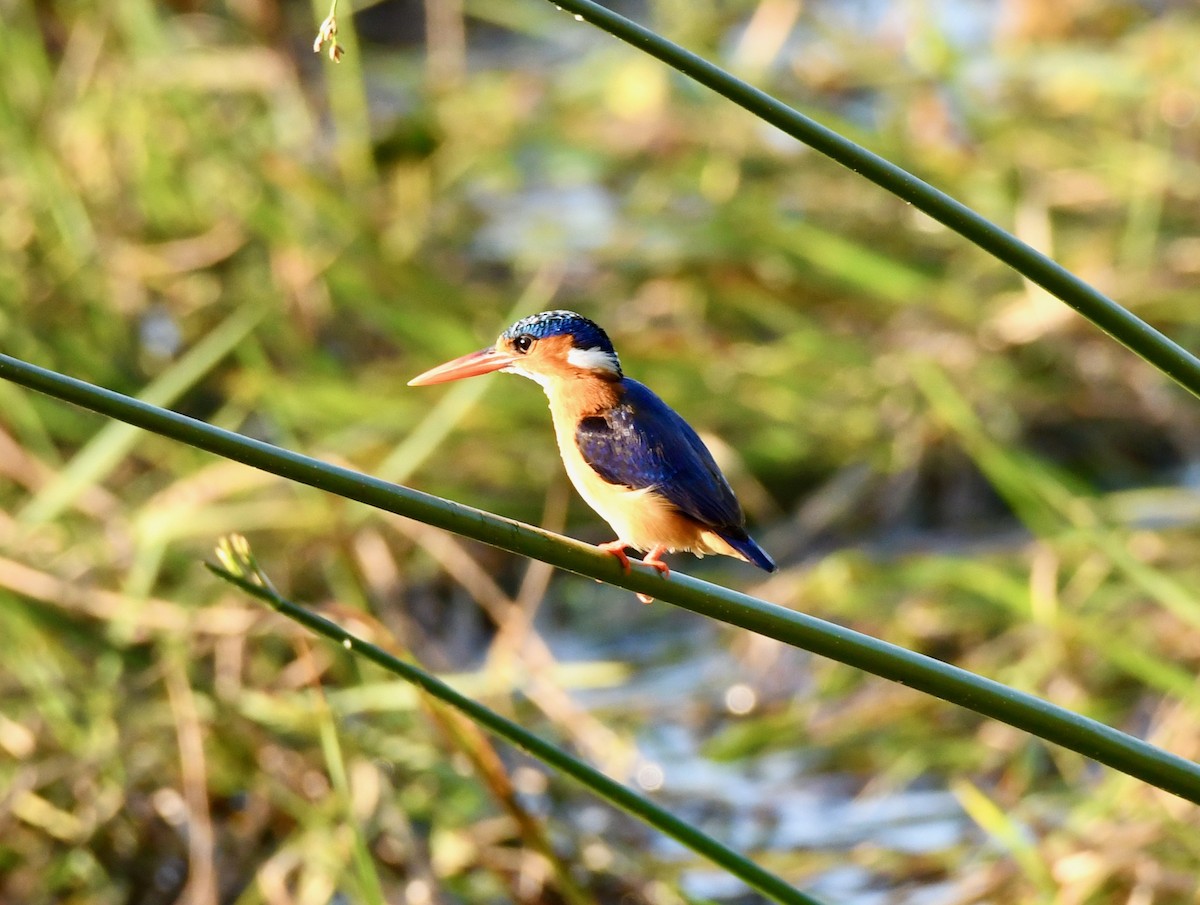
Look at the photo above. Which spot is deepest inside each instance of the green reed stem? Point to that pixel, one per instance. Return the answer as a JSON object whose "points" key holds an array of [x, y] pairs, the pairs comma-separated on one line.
{"points": [[1122, 325], [1078, 733], [610, 790]]}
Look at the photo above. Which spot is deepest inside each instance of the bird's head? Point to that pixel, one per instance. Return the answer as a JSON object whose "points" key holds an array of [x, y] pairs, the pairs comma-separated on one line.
{"points": [[546, 346]]}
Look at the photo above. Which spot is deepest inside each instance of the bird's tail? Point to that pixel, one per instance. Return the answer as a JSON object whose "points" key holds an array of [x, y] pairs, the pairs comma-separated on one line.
{"points": [[746, 547]]}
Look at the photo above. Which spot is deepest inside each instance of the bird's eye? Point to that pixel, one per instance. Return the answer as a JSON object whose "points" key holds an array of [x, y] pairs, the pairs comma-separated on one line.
{"points": [[523, 343]]}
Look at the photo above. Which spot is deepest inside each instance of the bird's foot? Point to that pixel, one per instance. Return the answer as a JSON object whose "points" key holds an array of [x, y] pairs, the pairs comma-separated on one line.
{"points": [[617, 549], [653, 559]]}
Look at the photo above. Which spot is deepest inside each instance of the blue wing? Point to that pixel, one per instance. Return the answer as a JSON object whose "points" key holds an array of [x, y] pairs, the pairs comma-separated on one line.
{"points": [[641, 442]]}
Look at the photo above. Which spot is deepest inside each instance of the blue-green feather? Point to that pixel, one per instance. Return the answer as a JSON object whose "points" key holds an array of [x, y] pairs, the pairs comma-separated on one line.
{"points": [[641, 442]]}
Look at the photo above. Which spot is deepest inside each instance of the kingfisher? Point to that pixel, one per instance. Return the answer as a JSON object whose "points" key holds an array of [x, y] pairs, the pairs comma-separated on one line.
{"points": [[629, 455]]}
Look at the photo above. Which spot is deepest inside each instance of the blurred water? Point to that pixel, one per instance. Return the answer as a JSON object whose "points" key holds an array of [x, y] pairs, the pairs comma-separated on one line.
{"points": [[778, 802], [545, 222]]}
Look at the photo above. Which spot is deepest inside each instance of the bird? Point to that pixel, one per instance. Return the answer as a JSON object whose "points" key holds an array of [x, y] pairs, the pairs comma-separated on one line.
{"points": [[636, 462]]}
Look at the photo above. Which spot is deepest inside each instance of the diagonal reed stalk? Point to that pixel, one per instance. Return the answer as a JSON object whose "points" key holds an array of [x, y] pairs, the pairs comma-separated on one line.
{"points": [[244, 572], [1121, 324], [1024, 711]]}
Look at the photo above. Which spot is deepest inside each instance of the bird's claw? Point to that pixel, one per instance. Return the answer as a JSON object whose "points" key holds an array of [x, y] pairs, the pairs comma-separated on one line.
{"points": [[651, 559], [659, 566], [617, 549]]}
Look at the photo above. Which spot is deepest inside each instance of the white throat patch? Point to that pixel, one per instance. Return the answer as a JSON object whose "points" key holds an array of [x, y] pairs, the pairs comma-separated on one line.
{"points": [[593, 359], [540, 379]]}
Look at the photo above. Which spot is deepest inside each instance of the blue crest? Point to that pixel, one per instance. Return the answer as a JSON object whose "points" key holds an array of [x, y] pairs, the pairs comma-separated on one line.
{"points": [[585, 334]]}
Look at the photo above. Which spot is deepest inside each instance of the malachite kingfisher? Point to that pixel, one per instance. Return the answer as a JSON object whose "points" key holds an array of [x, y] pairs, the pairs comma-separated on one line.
{"points": [[630, 456]]}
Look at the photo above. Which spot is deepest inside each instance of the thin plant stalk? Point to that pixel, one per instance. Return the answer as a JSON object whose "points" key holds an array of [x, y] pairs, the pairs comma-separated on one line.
{"points": [[244, 573], [1118, 322], [1101, 743]]}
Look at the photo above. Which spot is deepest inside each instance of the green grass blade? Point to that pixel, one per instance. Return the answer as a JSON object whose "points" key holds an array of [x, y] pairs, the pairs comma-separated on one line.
{"points": [[1056, 724], [364, 867], [461, 400], [1044, 504], [1001, 826], [112, 443]]}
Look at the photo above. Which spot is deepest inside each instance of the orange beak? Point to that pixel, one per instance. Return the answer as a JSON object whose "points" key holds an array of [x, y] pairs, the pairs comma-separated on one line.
{"points": [[482, 362]]}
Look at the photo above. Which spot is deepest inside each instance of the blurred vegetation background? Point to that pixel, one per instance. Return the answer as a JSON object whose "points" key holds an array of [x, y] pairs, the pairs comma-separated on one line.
{"points": [[197, 209]]}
